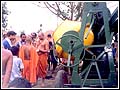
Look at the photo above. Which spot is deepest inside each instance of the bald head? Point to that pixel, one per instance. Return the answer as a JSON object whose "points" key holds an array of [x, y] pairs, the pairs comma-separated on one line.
{"points": [[41, 35], [28, 39]]}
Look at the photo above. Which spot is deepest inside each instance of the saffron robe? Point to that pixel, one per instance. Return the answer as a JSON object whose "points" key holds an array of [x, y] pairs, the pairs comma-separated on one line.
{"points": [[42, 65], [30, 64]]}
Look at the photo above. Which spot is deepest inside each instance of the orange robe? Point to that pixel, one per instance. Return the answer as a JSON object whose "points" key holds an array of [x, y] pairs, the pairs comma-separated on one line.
{"points": [[42, 65], [30, 66]]}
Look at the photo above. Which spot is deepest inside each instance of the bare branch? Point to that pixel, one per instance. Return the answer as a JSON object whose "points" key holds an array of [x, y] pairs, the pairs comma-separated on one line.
{"points": [[38, 5], [59, 11], [53, 11], [66, 10], [51, 6], [71, 10], [66, 5], [79, 10]]}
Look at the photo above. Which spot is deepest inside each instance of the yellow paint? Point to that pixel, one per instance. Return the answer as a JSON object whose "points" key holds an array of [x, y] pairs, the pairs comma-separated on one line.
{"points": [[68, 26]]}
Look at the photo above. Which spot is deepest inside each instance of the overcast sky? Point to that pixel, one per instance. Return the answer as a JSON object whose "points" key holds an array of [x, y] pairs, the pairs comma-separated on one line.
{"points": [[28, 17]]}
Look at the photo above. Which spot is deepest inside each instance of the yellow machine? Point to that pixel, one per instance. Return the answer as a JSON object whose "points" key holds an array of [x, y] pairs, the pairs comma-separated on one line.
{"points": [[68, 26], [88, 41]]}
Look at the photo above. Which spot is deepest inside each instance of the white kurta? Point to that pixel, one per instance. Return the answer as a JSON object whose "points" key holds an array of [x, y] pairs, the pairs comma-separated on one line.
{"points": [[17, 65]]}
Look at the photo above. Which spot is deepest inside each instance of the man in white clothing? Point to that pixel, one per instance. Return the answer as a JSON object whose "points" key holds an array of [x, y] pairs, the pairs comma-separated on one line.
{"points": [[17, 64]]}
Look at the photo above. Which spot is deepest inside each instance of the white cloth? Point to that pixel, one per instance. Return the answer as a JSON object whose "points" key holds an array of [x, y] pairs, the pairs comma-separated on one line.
{"points": [[17, 65], [9, 41]]}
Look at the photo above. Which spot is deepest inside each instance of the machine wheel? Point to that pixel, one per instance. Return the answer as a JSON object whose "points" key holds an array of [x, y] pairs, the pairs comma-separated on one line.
{"points": [[70, 42], [61, 79]]}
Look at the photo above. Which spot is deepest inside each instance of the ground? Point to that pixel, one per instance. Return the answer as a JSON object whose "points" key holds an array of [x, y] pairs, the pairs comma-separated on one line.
{"points": [[49, 83], [50, 79]]}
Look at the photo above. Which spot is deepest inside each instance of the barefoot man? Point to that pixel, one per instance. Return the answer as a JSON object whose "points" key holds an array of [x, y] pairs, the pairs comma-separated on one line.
{"points": [[7, 60], [42, 50], [29, 56]]}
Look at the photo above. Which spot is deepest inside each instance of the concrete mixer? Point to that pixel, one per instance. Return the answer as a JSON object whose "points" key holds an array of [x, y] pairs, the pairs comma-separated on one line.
{"points": [[88, 41]]}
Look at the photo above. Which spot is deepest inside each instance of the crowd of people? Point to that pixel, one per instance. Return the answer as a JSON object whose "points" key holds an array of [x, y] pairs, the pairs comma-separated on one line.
{"points": [[29, 58]]}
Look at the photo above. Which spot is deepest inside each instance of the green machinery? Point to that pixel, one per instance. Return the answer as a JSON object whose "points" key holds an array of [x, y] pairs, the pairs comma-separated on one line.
{"points": [[72, 43]]}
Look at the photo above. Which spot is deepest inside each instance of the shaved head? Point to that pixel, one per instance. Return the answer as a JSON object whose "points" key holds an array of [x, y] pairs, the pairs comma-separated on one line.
{"points": [[41, 35], [28, 39]]}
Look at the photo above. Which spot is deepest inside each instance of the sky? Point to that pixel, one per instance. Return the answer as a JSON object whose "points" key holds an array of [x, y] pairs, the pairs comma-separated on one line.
{"points": [[28, 17]]}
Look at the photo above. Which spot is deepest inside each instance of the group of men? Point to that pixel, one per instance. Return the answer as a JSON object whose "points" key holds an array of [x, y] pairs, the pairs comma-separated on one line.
{"points": [[33, 51]]}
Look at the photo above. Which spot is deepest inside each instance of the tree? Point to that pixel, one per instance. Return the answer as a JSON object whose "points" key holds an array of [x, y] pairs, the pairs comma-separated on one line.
{"points": [[65, 10], [5, 12]]}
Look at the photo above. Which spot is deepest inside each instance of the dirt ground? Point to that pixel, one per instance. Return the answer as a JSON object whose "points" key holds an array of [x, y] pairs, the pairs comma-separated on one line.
{"points": [[50, 79], [49, 83]]}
